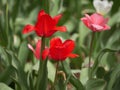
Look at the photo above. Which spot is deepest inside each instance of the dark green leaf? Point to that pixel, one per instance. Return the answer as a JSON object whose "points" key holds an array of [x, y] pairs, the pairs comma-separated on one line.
{"points": [[95, 84]]}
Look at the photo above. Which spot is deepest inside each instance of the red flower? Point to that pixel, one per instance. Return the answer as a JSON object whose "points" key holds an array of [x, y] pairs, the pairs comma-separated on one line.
{"points": [[36, 51], [95, 22], [45, 25], [60, 51]]}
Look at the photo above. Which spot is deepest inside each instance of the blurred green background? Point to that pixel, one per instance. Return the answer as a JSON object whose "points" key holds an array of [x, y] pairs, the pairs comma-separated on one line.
{"points": [[17, 61]]}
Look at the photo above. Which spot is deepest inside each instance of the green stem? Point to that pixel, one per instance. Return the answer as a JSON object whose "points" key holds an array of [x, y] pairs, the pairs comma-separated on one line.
{"points": [[42, 79], [41, 83], [7, 23], [55, 75], [90, 53]]}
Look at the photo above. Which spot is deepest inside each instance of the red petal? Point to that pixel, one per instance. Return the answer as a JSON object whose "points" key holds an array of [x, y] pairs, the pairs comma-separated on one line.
{"points": [[44, 25], [42, 12], [73, 55], [60, 28], [28, 28], [55, 42], [57, 18], [45, 53], [37, 50], [69, 45]]}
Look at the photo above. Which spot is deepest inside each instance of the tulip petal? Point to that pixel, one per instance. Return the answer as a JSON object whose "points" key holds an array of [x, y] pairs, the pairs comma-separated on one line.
{"points": [[71, 55], [57, 18], [69, 45], [55, 42], [98, 19], [106, 27], [97, 27], [86, 22], [31, 48], [28, 28], [45, 53], [60, 28], [37, 50], [88, 18], [44, 26], [42, 12]]}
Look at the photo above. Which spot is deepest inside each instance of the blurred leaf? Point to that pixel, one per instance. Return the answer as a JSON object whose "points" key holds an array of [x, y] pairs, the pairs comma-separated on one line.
{"points": [[6, 75], [74, 81], [98, 59], [114, 83], [84, 75], [100, 72], [51, 70], [83, 32], [4, 87], [23, 53], [115, 6], [114, 19], [54, 7], [95, 84], [21, 77], [15, 9]]}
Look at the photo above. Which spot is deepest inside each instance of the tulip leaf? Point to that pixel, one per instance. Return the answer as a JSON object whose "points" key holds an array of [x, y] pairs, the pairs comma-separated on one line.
{"points": [[98, 59], [114, 83], [4, 87], [23, 53], [21, 77], [84, 75], [72, 79], [95, 84], [51, 68]]}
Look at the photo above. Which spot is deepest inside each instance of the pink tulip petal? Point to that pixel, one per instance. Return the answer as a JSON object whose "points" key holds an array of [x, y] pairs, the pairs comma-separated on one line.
{"points": [[106, 27], [31, 48], [97, 27]]}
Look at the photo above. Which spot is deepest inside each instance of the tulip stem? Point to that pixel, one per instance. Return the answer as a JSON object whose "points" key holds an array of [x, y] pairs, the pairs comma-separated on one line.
{"points": [[41, 83], [90, 53], [55, 75]]}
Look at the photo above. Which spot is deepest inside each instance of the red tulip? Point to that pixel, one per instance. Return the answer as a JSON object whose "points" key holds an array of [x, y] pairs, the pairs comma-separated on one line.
{"points": [[95, 22], [45, 25], [60, 51], [36, 51]]}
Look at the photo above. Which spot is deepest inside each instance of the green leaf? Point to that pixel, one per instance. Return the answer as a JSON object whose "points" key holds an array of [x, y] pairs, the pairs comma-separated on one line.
{"points": [[114, 79], [21, 76], [51, 69], [83, 32], [95, 84], [23, 53], [4, 87], [15, 10], [84, 75], [98, 59], [74, 81], [6, 74]]}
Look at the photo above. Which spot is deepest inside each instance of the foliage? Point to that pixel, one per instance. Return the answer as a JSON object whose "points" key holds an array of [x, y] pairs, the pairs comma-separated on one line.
{"points": [[18, 67]]}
